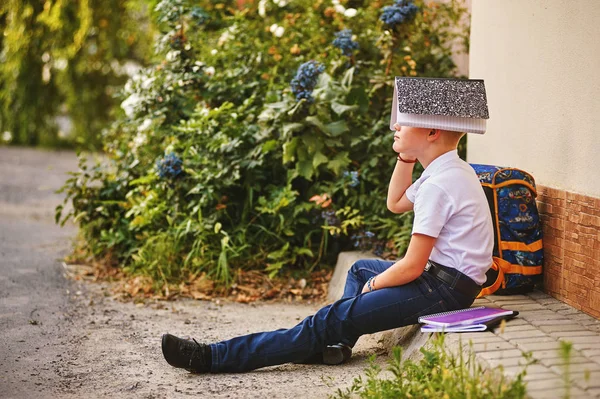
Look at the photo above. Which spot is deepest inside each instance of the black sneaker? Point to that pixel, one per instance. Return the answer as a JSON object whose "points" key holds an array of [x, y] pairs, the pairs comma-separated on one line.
{"points": [[336, 354], [186, 354]]}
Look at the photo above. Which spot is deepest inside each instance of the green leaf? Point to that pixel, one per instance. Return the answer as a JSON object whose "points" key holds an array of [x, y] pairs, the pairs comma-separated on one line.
{"points": [[337, 128], [289, 150], [318, 159], [291, 127], [280, 253], [313, 120], [305, 251], [339, 163], [273, 268], [347, 79], [359, 97], [144, 180], [341, 108], [305, 169], [269, 146]]}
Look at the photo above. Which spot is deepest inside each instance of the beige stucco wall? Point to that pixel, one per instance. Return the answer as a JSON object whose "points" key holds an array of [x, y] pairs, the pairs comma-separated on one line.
{"points": [[541, 63]]}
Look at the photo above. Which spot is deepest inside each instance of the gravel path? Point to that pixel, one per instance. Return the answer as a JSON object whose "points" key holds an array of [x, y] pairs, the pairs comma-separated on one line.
{"points": [[69, 339]]}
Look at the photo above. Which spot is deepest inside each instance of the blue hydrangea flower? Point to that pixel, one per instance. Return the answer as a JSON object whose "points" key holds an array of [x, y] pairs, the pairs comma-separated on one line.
{"points": [[330, 217], [306, 80], [402, 11], [364, 240], [199, 15], [169, 167], [353, 176], [343, 41]]}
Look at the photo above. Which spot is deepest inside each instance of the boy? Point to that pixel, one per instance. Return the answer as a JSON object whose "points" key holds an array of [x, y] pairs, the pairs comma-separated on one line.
{"points": [[445, 264]]}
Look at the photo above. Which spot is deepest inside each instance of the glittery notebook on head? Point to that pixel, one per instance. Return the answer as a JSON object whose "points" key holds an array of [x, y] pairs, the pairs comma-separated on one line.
{"points": [[438, 103]]}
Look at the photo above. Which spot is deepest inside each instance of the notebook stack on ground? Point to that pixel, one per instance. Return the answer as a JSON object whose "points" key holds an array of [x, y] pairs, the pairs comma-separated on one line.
{"points": [[466, 320]]}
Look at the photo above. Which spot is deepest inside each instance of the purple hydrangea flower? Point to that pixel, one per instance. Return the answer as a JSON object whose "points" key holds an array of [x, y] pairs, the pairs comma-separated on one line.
{"points": [[169, 167], [402, 11], [306, 80], [344, 42]]}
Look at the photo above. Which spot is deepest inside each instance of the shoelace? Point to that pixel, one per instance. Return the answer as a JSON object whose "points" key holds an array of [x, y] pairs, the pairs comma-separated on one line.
{"points": [[194, 351]]}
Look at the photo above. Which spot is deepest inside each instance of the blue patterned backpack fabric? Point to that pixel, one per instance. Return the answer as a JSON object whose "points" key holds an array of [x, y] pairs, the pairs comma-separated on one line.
{"points": [[518, 249]]}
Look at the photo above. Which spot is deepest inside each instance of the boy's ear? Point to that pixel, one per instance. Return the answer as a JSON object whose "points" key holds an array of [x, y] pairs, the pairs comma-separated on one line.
{"points": [[434, 134]]}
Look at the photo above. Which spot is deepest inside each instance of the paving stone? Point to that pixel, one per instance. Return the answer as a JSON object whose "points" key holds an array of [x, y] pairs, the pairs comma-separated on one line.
{"points": [[558, 306], [522, 334], [522, 327], [481, 302], [577, 336], [483, 340], [524, 307], [545, 384], [517, 322], [577, 368], [594, 392], [492, 346], [568, 311], [533, 340], [508, 362], [555, 393], [551, 354], [592, 353], [585, 380], [501, 298], [537, 346], [557, 322], [541, 315], [585, 346], [531, 369], [540, 376], [561, 327], [547, 301], [539, 295], [475, 335], [584, 317], [501, 354], [560, 360], [527, 301]]}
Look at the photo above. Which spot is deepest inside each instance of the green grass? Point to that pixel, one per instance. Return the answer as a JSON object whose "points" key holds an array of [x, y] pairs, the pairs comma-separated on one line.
{"points": [[440, 373]]}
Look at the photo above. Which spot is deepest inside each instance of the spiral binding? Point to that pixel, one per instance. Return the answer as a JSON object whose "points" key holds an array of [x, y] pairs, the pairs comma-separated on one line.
{"points": [[449, 313]]}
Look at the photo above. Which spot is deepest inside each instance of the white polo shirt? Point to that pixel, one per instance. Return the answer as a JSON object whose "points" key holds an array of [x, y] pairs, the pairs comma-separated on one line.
{"points": [[449, 204]]}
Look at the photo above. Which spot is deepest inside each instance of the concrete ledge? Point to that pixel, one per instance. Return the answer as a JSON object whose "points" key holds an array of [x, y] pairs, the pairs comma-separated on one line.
{"points": [[409, 337]]}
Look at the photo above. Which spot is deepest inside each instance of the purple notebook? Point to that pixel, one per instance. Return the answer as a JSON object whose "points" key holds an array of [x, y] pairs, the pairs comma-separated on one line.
{"points": [[464, 316]]}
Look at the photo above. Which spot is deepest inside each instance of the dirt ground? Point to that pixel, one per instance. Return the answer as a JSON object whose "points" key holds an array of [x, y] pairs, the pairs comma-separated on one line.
{"points": [[68, 339]]}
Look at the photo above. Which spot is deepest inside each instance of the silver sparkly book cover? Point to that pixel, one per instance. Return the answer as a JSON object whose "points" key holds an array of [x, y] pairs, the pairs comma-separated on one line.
{"points": [[440, 103]]}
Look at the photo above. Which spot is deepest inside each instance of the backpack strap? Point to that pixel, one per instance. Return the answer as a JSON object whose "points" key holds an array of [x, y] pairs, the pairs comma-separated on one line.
{"points": [[502, 266]]}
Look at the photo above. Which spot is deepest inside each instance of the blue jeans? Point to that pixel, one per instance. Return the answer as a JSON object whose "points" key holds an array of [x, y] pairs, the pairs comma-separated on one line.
{"points": [[343, 321]]}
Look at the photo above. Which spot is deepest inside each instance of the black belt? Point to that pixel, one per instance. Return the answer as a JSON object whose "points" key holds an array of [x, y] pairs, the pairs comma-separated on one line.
{"points": [[463, 283]]}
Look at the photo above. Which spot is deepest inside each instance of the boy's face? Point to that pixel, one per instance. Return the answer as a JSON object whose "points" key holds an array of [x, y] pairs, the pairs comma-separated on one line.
{"points": [[410, 140]]}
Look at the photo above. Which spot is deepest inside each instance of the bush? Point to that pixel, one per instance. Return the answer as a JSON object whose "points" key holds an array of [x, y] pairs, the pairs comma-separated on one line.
{"points": [[261, 140]]}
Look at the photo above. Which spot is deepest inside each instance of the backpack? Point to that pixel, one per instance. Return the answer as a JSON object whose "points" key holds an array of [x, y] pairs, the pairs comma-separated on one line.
{"points": [[518, 250]]}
